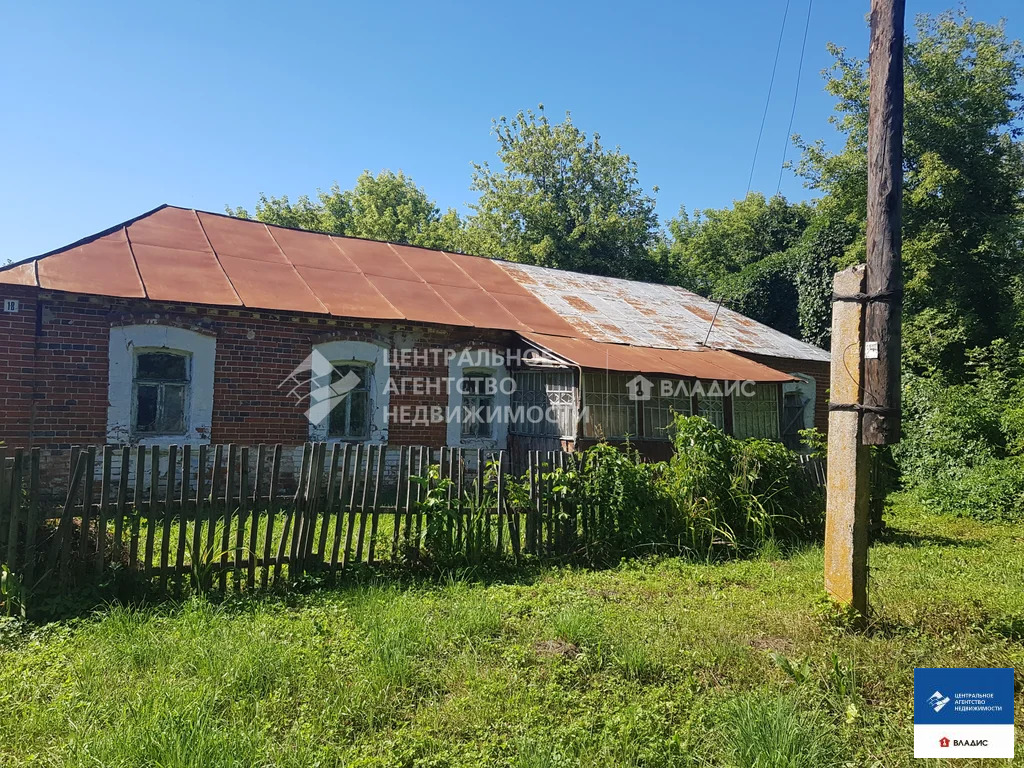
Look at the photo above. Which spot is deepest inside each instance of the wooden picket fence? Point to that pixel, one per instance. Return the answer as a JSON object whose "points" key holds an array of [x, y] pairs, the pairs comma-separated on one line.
{"points": [[227, 516]]}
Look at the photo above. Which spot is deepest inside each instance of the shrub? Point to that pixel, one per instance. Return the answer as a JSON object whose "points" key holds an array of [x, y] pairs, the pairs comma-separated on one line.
{"points": [[737, 493], [962, 447]]}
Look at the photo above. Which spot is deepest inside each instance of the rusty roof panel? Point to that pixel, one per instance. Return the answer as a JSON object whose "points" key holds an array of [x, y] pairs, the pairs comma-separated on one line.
{"points": [[186, 276], [169, 228], [533, 314], [308, 249], [697, 364], [242, 239], [103, 266], [19, 274], [270, 286], [434, 267], [479, 307], [488, 274], [348, 294], [375, 258], [187, 256], [652, 315], [417, 301]]}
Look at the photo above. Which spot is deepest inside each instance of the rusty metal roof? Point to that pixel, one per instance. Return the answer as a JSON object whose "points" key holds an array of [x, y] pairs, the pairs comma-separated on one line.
{"points": [[646, 315], [185, 256], [697, 363]]}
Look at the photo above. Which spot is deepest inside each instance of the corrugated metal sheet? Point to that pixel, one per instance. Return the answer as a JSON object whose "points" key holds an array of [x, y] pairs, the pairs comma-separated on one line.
{"points": [[180, 255], [709, 364], [646, 315]]}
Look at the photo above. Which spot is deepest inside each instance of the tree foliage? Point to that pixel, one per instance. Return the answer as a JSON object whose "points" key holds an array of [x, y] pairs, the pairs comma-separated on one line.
{"points": [[963, 183], [561, 199], [743, 255], [388, 206]]}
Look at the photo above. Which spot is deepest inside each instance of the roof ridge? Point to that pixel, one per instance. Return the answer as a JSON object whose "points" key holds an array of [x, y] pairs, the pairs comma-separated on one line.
{"points": [[87, 239]]}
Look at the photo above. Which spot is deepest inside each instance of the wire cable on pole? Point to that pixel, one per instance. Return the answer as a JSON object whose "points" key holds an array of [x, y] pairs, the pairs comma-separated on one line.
{"points": [[796, 94], [767, 101], [760, 132]]}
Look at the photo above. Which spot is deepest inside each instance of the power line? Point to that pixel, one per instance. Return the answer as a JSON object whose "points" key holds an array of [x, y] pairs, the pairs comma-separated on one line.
{"points": [[760, 131], [767, 101], [796, 93]]}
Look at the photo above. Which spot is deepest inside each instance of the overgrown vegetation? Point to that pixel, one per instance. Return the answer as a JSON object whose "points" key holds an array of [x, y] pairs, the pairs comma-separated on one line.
{"points": [[656, 662], [963, 452]]}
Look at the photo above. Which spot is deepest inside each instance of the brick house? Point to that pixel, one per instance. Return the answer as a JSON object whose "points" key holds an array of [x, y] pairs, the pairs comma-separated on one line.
{"points": [[182, 326]]}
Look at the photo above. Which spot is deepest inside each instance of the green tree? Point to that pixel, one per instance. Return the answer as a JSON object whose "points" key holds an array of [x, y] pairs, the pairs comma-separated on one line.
{"points": [[963, 182], [388, 206], [742, 255], [561, 199]]}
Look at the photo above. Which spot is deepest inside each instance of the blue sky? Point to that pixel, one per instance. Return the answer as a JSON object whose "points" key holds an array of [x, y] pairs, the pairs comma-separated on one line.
{"points": [[110, 109]]}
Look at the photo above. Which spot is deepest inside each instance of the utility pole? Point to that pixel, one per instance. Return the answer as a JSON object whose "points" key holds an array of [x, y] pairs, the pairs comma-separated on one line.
{"points": [[884, 281], [867, 304]]}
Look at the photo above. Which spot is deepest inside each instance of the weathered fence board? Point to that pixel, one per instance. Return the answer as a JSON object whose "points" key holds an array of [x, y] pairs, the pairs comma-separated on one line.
{"points": [[240, 517]]}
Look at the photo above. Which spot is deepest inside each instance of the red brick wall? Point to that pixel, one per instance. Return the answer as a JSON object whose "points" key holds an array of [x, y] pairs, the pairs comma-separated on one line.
{"points": [[65, 367], [17, 365]]}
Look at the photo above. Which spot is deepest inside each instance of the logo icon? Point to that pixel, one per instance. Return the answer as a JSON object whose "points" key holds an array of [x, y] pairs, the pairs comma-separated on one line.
{"points": [[316, 378], [943, 742], [639, 388], [938, 701]]}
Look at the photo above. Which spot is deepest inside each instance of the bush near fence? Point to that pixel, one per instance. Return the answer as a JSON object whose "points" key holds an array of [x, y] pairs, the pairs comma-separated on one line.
{"points": [[224, 517]]}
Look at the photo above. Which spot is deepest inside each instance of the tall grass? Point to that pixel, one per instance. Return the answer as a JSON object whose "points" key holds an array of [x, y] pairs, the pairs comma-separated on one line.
{"points": [[765, 731]]}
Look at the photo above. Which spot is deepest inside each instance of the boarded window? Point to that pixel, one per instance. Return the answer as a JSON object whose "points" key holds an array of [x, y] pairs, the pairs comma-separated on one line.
{"points": [[660, 409], [609, 411], [758, 415], [350, 416], [552, 393], [160, 397]]}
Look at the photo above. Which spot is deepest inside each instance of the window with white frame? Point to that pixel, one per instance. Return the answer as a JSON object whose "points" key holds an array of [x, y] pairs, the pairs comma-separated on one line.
{"points": [[478, 391], [160, 389], [356, 399], [756, 415], [668, 398], [349, 419], [610, 411], [479, 395], [160, 385]]}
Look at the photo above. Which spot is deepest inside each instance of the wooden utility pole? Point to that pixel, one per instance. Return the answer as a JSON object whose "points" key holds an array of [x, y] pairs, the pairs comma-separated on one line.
{"points": [[884, 282], [867, 304]]}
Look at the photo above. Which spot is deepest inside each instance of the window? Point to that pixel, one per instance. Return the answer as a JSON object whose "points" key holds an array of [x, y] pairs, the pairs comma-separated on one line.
{"points": [[660, 409], [478, 390], [355, 407], [554, 392], [160, 385], [479, 395], [756, 415], [161, 392], [610, 411], [350, 417], [712, 408]]}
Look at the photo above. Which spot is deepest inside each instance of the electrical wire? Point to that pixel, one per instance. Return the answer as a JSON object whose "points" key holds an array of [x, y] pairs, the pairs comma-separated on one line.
{"points": [[796, 94], [760, 132], [767, 101]]}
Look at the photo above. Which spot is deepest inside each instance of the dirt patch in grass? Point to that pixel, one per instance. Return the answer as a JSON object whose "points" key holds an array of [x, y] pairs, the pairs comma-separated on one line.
{"points": [[557, 648]]}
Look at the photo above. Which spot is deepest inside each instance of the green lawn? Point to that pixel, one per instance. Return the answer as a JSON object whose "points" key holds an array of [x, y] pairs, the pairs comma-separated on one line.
{"points": [[655, 663]]}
